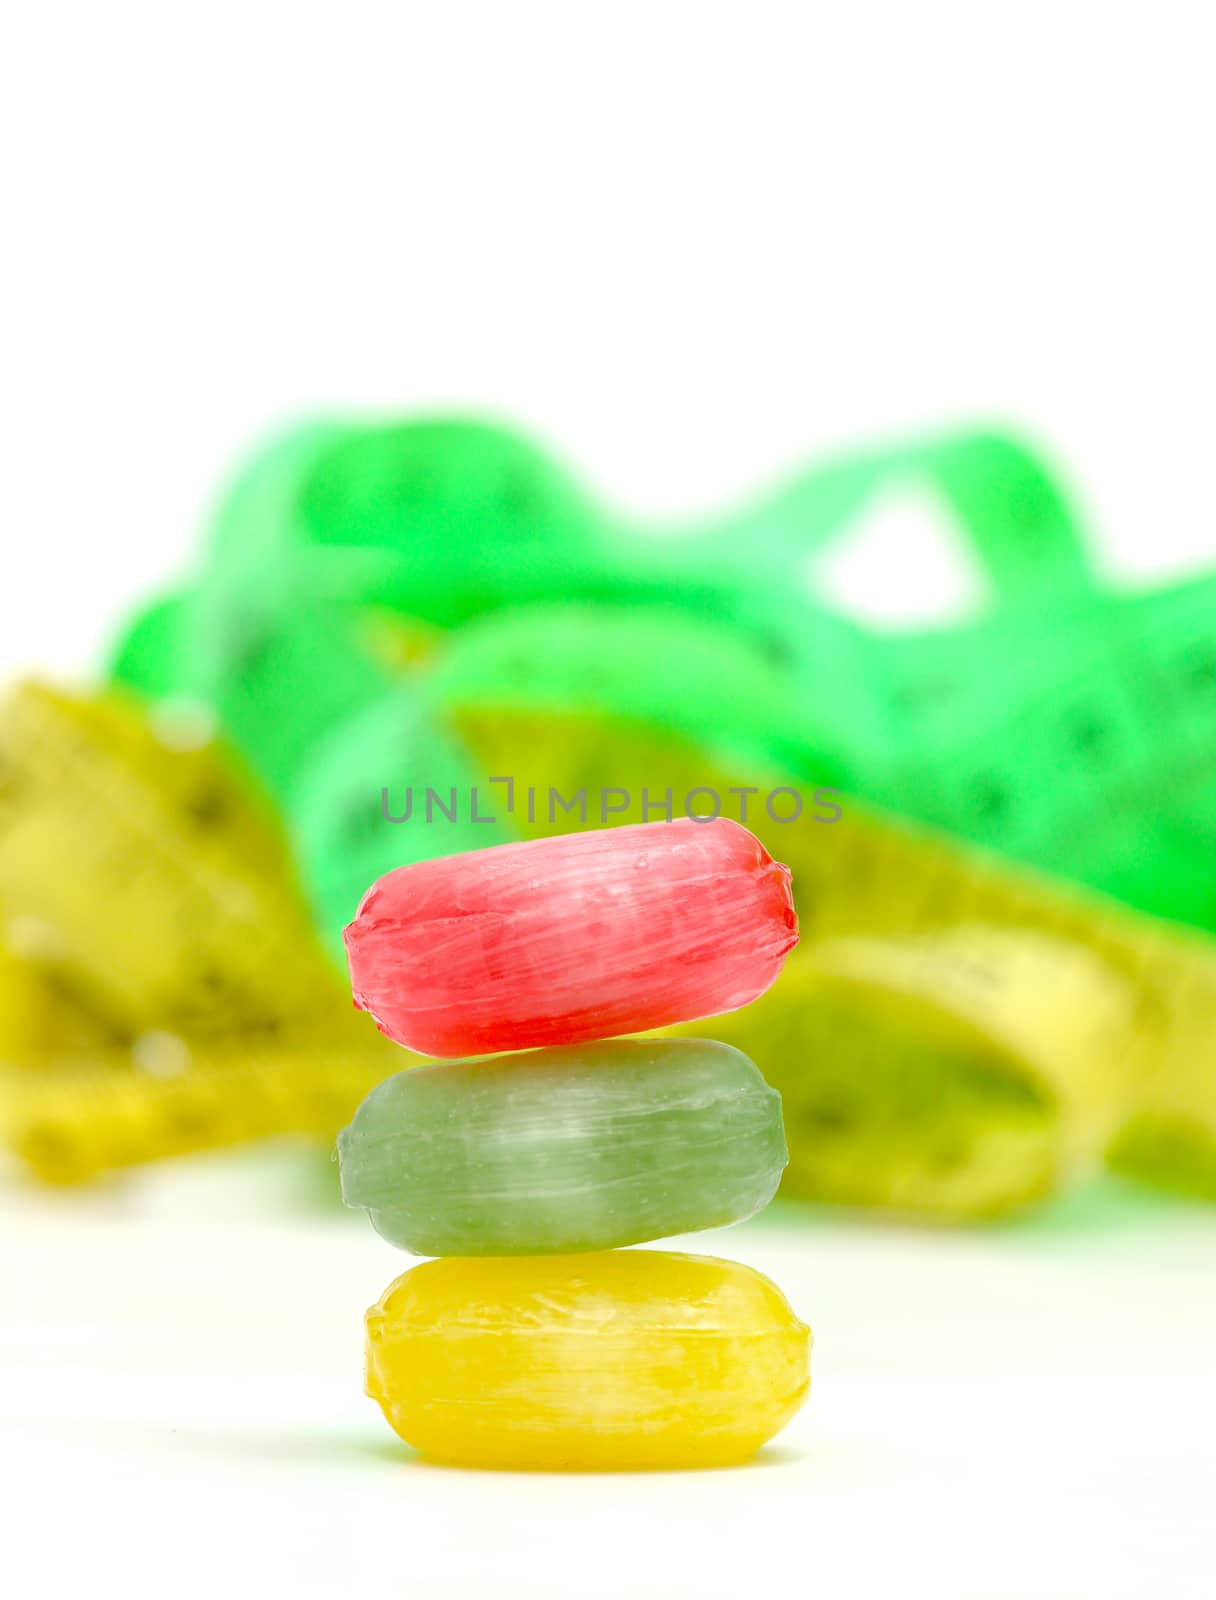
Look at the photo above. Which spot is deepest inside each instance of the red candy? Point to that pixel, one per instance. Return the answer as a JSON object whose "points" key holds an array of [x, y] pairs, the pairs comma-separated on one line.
{"points": [[583, 936]]}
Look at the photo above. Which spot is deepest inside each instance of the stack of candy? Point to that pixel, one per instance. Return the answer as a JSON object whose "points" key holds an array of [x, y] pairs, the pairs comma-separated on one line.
{"points": [[525, 1173]]}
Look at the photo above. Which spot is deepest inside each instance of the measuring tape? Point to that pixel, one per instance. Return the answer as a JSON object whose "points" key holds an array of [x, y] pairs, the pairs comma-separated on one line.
{"points": [[1065, 727], [945, 1074], [94, 1115], [161, 986], [146, 874], [1049, 953], [348, 819]]}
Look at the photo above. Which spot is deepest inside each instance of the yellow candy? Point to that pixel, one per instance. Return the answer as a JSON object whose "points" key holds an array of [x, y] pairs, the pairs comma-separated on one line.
{"points": [[626, 1359]]}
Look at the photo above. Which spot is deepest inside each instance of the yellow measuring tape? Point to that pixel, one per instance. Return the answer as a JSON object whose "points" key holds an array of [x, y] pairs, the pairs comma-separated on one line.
{"points": [[161, 986], [85, 1118], [952, 1036], [135, 862]]}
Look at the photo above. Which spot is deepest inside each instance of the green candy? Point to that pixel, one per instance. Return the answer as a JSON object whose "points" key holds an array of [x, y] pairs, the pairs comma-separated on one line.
{"points": [[570, 1149]]}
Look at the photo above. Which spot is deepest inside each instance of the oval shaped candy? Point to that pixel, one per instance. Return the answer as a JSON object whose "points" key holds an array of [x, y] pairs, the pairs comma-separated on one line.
{"points": [[570, 1149], [625, 1359], [580, 936]]}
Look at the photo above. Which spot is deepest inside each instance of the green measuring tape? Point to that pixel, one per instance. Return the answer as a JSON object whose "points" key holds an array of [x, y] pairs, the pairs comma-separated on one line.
{"points": [[435, 605], [1067, 727]]}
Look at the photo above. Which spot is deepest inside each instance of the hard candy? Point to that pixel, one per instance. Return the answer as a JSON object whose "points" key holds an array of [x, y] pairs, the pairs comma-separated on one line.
{"points": [[565, 1150], [625, 1359], [581, 936]]}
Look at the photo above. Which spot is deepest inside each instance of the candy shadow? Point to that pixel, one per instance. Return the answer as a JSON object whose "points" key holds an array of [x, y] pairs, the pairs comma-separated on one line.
{"points": [[270, 1447], [404, 1455], [299, 1449]]}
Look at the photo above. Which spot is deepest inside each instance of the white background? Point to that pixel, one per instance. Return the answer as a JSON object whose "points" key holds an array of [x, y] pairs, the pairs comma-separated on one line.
{"points": [[690, 245]]}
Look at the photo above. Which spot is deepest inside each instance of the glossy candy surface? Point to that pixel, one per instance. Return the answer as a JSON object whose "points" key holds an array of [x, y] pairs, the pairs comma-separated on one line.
{"points": [[637, 927], [626, 1359], [569, 1149]]}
